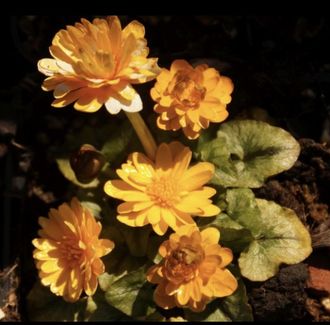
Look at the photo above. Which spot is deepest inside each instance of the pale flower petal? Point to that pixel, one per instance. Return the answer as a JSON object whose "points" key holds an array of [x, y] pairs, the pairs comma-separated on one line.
{"points": [[114, 106], [94, 60]]}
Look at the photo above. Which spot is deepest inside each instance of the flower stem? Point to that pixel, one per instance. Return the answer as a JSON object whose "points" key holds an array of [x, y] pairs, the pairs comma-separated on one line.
{"points": [[143, 133]]}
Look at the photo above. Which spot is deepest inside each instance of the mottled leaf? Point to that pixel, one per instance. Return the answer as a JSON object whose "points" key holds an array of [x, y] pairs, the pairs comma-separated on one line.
{"points": [[232, 234], [247, 152], [282, 239], [132, 294]]}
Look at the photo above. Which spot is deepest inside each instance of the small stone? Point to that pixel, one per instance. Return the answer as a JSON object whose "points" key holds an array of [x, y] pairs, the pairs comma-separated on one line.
{"points": [[2, 314], [319, 279], [326, 304]]}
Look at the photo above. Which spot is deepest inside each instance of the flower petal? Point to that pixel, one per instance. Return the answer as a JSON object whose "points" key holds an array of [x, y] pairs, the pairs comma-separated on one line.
{"points": [[210, 236], [114, 106]]}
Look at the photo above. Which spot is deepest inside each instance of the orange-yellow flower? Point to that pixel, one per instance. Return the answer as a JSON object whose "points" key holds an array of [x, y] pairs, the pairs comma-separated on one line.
{"points": [[96, 63], [68, 253], [192, 271], [190, 98], [164, 192]]}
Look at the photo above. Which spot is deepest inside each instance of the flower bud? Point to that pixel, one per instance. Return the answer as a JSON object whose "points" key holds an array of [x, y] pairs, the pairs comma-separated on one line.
{"points": [[87, 163]]}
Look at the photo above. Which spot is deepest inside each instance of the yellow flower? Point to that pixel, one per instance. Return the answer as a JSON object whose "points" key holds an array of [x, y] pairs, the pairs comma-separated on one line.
{"points": [[190, 98], [68, 253], [96, 63], [164, 192], [192, 271]]}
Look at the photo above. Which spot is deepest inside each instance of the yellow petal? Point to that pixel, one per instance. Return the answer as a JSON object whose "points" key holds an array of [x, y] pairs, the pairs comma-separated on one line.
{"points": [[124, 191], [114, 33], [209, 211], [196, 289], [160, 228], [135, 28], [128, 207], [162, 299], [189, 133], [44, 244], [183, 294], [154, 214], [153, 276], [197, 176], [183, 218], [127, 220], [168, 217], [88, 103], [106, 245], [223, 283], [90, 285], [48, 278], [180, 65], [163, 158], [143, 164], [210, 236], [181, 160], [49, 266], [185, 230]]}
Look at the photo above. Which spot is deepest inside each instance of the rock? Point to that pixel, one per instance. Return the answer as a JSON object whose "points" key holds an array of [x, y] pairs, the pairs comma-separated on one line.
{"points": [[319, 280]]}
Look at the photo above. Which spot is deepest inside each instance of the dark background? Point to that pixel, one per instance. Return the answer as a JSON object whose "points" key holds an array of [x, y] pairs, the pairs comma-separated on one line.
{"points": [[280, 66]]}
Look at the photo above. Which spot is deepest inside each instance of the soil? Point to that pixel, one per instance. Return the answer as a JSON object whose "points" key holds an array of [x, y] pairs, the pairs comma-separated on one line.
{"points": [[281, 73], [297, 291]]}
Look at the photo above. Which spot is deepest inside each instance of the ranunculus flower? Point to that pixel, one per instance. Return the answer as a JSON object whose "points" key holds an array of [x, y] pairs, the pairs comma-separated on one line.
{"points": [[165, 192], [96, 63], [68, 252], [193, 269], [190, 98]]}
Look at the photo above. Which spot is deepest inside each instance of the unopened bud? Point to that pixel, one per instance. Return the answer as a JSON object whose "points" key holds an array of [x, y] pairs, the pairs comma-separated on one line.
{"points": [[87, 163]]}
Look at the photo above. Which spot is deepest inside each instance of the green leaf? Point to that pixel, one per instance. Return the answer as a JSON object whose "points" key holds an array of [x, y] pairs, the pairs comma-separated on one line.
{"points": [[115, 147], [232, 234], [93, 207], [247, 152], [282, 239], [68, 173], [136, 239], [44, 306], [242, 208], [152, 250], [118, 264], [98, 310], [232, 308], [132, 294]]}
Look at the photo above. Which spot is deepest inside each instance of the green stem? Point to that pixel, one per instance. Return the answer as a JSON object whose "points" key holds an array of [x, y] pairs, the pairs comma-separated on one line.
{"points": [[143, 133]]}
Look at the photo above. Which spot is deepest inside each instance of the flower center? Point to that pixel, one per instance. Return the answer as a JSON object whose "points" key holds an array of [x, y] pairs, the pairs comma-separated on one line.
{"points": [[186, 90], [183, 262], [163, 191], [71, 252]]}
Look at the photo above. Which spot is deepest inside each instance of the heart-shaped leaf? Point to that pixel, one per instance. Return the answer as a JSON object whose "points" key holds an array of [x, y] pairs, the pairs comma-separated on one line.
{"points": [[277, 234], [232, 234], [132, 294], [282, 238], [246, 152]]}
